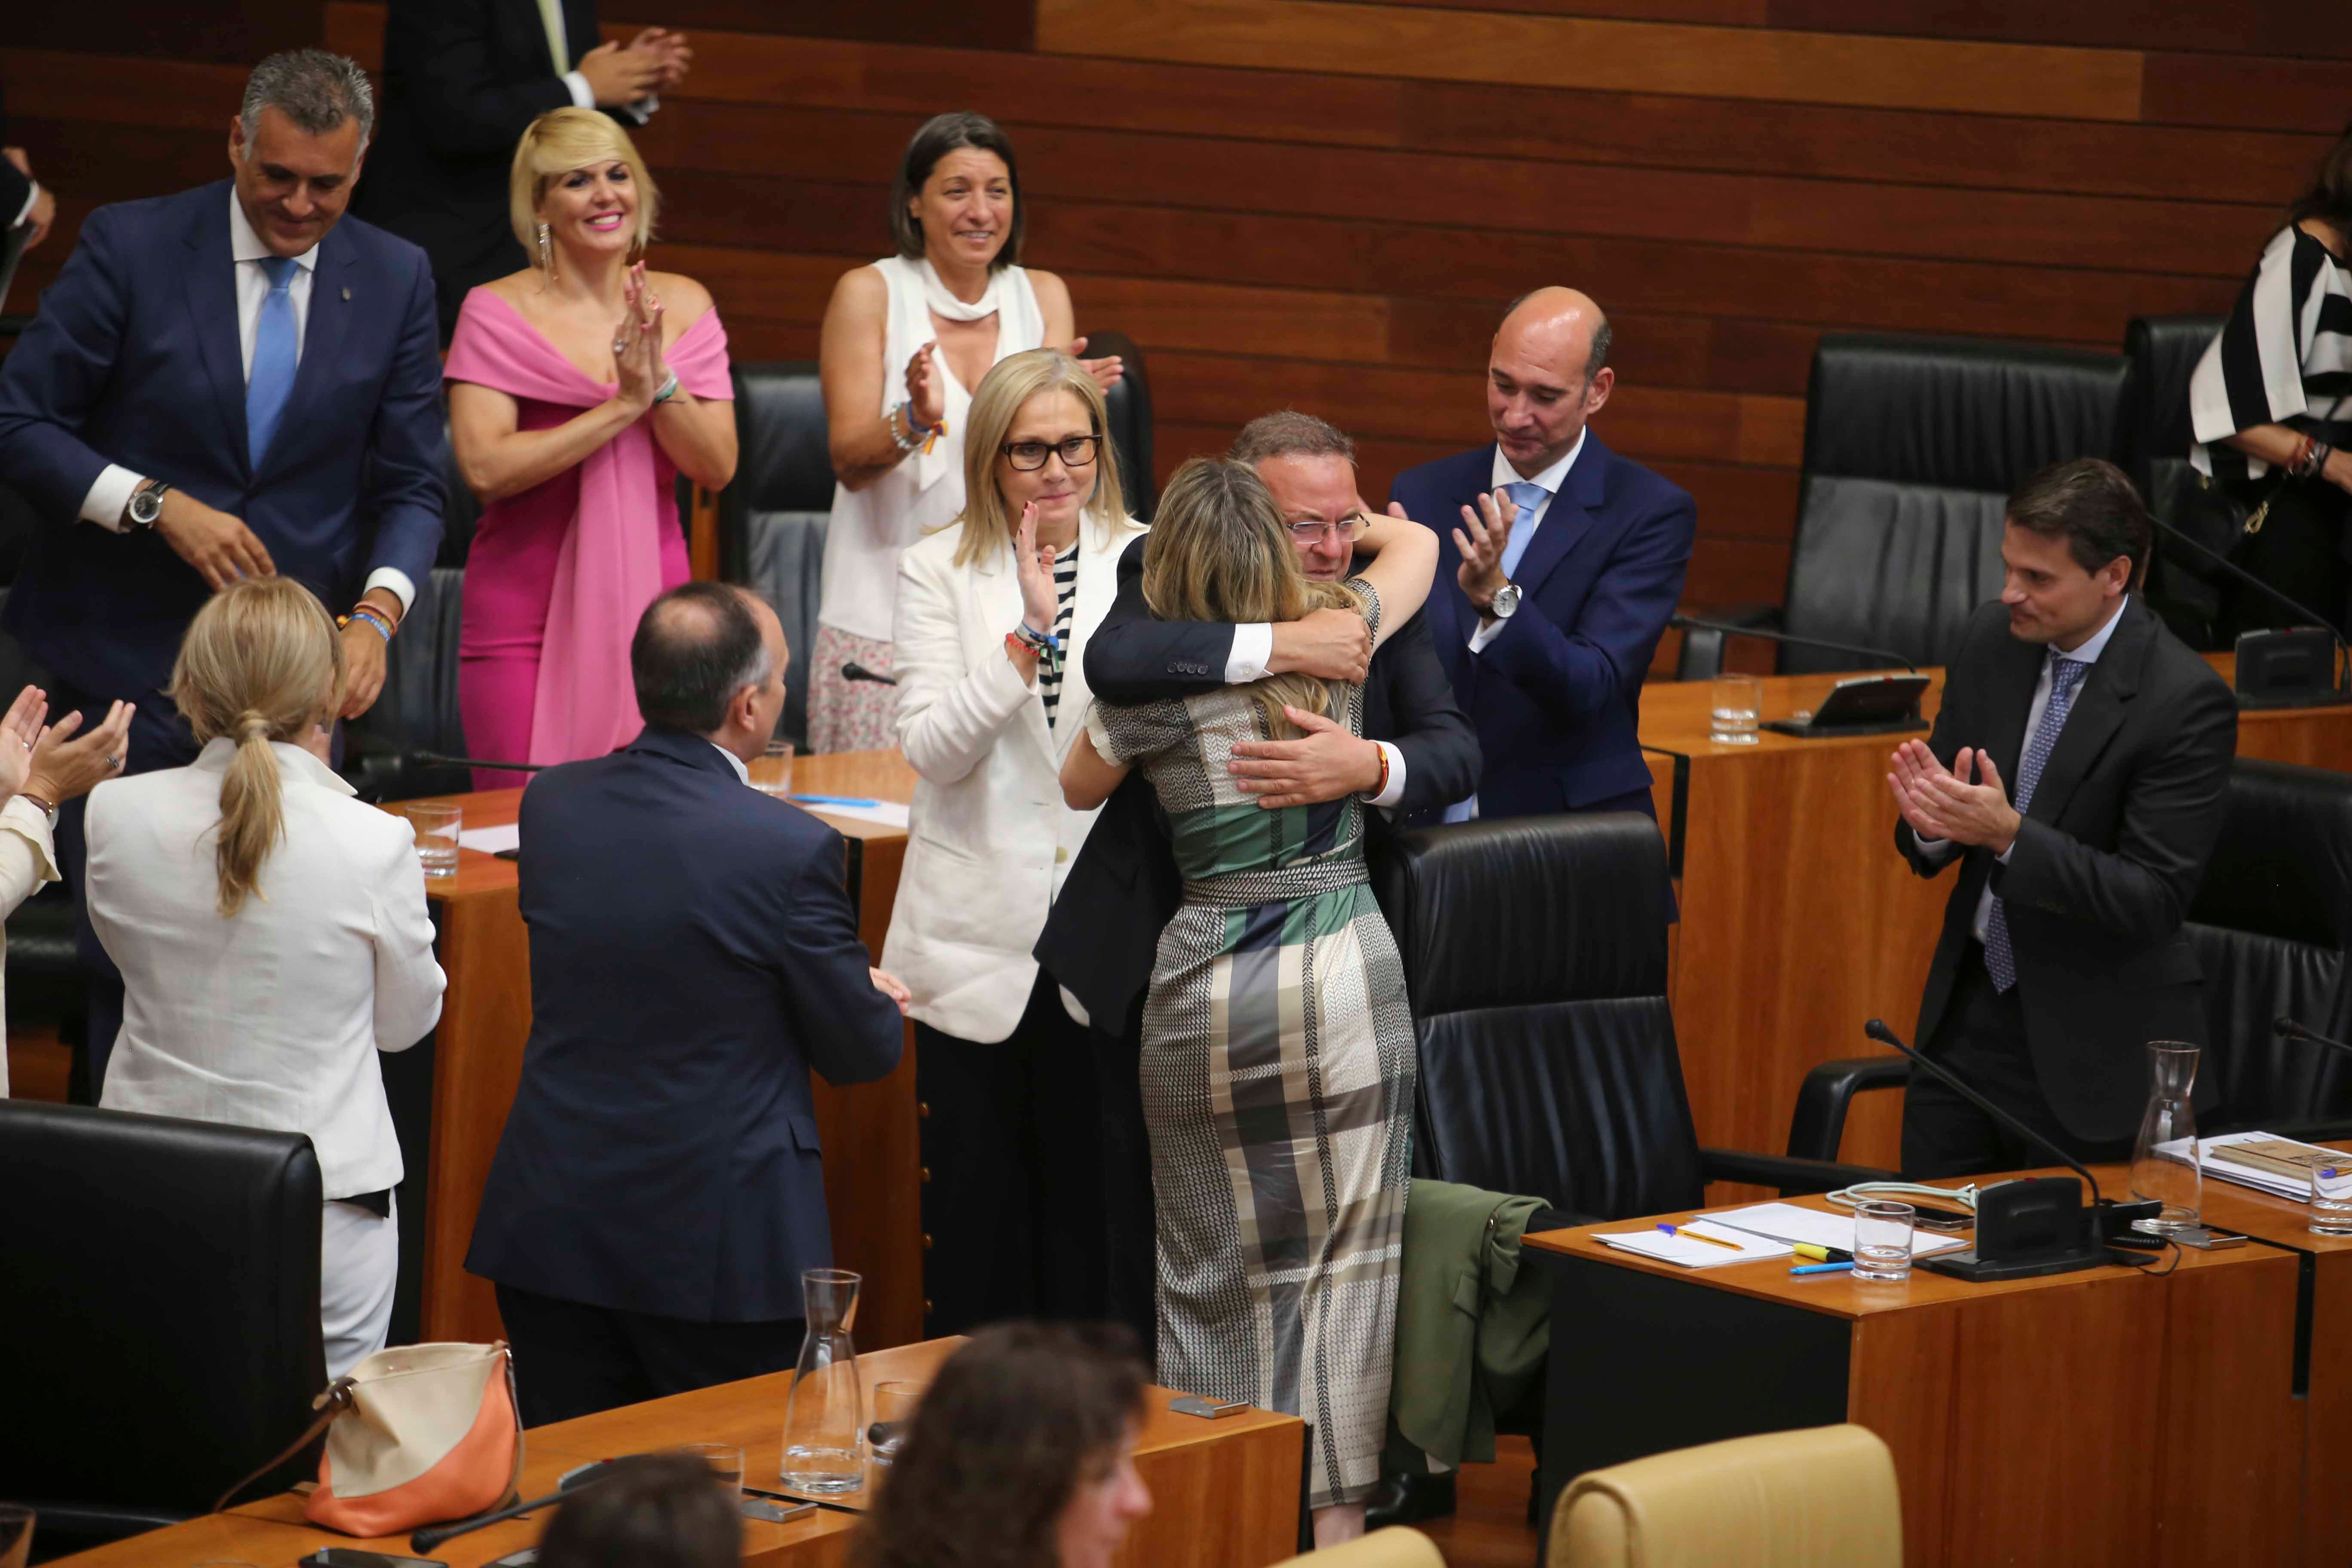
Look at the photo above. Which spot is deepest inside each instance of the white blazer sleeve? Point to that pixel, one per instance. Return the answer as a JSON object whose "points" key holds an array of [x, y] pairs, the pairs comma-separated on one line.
{"points": [[949, 717], [408, 980], [27, 858]]}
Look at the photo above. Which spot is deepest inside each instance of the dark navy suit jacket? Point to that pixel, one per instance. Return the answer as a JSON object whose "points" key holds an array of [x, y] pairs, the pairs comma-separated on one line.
{"points": [[693, 954], [134, 358], [1556, 696]]}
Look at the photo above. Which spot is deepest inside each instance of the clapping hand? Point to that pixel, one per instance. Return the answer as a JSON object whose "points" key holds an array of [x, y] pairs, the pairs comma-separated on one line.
{"points": [[66, 768], [1489, 535], [926, 399], [1106, 371], [893, 987], [669, 48], [638, 343], [20, 732], [1966, 803], [617, 77], [1033, 563]]}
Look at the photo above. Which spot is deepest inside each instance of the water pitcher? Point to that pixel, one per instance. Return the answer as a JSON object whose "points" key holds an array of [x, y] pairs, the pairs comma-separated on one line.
{"points": [[2180, 1188], [825, 1439]]}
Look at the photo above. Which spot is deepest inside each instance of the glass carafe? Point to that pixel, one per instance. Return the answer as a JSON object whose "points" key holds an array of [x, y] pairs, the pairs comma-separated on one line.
{"points": [[2180, 1188], [824, 1437]]}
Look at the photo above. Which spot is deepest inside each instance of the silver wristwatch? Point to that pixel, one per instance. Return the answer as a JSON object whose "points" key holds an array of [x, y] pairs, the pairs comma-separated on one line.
{"points": [[1505, 600], [146, 503]]}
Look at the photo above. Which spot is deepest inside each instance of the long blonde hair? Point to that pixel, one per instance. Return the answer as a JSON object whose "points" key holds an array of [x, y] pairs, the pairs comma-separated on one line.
{"points": [[988, 523], [1218, 552], [561, 141], [260, 662]]}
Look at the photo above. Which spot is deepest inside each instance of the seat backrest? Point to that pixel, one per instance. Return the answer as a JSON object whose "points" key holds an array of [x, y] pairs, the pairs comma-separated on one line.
{"points": [[1534, 954], [772, 519], [1822, 1497], [1395, 1547], [1129, 407], [1912, 446], [162, 1305], [417, 710], [2270, 924], [2152, 443]]}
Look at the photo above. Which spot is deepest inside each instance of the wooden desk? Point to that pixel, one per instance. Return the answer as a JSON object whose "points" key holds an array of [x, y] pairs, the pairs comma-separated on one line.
{"points": [[1226, 1493], [1800, 921], [868, 1130], [2102, 1417]]}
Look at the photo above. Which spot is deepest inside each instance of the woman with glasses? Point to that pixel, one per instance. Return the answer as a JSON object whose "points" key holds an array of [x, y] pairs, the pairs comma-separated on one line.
{"points": [[907, 341], [993, 618]]}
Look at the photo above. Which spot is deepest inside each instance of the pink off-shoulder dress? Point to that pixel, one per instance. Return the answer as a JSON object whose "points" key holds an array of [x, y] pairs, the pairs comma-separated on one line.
{"points": [[559, 574]]}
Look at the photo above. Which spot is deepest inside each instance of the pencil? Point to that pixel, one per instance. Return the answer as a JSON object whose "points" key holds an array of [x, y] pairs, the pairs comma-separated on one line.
{"points": [[1710, 1240]]}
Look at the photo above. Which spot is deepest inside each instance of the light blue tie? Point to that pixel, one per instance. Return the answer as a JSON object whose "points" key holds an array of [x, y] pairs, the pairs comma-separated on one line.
{"points": [[275, 355], [2065, 679], [1526, 495]]}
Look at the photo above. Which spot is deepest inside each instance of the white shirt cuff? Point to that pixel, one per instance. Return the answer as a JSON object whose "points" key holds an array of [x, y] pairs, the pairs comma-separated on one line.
{"points": [[1487, 632], [1393, 790], [396, 581], [107, 497], [644, 109], [1252, 651], [24, 213], [1934, 848], [583, 95]]}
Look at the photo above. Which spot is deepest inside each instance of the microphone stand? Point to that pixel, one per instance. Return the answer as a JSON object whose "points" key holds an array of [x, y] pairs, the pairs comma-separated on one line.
{"points": [[1884, 656], [2026, 1228], [854, 670], [2286, 1029], [1858, 706], [2339, 656], [434, 759]]}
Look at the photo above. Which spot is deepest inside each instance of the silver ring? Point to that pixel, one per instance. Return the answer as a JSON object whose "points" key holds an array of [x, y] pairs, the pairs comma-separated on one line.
{"points": [[114, 761], [619, 349]]}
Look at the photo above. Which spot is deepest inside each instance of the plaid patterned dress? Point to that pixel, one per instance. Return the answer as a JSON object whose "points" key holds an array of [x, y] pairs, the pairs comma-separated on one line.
{"points": [[1277, 1064]]}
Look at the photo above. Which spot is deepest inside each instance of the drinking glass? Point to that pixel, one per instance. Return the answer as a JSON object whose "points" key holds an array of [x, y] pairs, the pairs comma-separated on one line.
{"points": [[771, 770], [894, 1407], [437, 823], [1737, 705], [2170, 1117], [726, 1462], [16, 1534], [1882, 1239], [824, 1415], [2331, 1199]]}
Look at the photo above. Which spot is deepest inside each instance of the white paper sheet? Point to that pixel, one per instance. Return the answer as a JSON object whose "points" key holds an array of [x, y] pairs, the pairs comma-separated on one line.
{"points": [[1787, 1221], [1679, 1248], [2243, 1175], [889, 812], [490, 840]]}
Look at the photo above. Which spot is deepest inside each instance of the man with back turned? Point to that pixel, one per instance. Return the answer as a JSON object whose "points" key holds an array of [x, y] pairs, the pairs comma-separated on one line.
{"points": [[2077, 776]]}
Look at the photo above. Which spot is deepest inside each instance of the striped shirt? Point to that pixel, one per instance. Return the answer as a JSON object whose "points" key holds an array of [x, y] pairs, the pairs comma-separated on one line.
{"points": [[1049, 668], [2282, 357]]}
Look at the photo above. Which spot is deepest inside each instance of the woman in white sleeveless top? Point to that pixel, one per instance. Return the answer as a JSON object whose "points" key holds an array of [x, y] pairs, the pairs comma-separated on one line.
{"points": [[906, 340]]}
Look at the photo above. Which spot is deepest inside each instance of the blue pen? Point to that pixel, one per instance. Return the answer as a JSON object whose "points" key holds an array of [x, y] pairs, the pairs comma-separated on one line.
{"points": [[836, 800], [1823, 1268]]}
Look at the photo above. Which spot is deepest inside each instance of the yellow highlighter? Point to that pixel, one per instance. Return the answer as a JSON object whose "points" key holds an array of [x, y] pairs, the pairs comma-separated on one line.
{"points": [[1822, 1254]]}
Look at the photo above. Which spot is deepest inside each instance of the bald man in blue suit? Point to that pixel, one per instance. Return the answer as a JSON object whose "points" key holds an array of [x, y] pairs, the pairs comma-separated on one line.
{"points": [[1559, 564]]}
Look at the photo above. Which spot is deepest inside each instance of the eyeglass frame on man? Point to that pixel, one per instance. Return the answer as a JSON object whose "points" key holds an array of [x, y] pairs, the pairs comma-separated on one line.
{"points": [[1092, 444], [1349, 527]]}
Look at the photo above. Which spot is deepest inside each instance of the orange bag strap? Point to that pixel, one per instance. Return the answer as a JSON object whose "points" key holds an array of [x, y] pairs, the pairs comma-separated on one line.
{"points": [[329, 1405]]}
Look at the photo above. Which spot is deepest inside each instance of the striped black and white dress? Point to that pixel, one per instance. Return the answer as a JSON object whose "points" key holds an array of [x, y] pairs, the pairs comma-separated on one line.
{"points": [[2284, 357], [1066, 594]]}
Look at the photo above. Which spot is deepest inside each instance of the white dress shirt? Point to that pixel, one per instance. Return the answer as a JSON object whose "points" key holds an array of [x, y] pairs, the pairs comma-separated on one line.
{"points": [[2088, 653], [1523, 527], [271, 1017], [742, 771], [106, 497], [24, 215]]}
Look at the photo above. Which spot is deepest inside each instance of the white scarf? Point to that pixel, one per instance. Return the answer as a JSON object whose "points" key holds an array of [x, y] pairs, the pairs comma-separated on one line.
{"points": [[946, 306]]}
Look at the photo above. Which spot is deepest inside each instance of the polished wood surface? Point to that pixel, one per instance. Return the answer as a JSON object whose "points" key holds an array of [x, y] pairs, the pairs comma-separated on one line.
{"points": [[868, 1130], [2116, 1416], [1799, 920], [1226, 1493]]}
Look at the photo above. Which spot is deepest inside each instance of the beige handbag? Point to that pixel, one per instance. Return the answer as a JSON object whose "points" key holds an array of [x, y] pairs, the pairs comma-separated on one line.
{"points": [[416, 1434]]}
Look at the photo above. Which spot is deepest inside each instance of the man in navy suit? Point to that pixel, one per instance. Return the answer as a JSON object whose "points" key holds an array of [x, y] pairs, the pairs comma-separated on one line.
{"points": [[224, 383], [658, 1191], [1553, 591]]}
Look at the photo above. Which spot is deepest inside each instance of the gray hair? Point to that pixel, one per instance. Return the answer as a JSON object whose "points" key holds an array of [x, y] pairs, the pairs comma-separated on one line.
{"points": [[315, 89], [1289, 434]]}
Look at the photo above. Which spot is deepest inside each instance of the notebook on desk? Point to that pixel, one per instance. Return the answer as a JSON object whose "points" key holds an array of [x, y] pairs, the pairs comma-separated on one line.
{"points": [[1681, 1247]]}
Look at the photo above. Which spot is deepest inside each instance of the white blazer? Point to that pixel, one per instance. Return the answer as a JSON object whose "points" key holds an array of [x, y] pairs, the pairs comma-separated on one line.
{"points": [[28, 859], [989, 839], [271, 1018]]}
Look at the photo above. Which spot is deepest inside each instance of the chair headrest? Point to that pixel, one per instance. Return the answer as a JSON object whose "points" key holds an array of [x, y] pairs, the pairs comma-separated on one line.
{"points": [[1957, 412], [1483, 916], [2283, 866], [785, 461], [2162, 352]]}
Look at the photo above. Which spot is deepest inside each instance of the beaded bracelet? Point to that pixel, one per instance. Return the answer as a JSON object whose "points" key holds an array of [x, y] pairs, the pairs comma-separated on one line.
{"points": [[372, 617]]}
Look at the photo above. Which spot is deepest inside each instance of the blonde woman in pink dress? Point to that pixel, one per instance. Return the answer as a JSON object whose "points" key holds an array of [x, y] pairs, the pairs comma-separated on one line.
{"points": [[579, 389]]}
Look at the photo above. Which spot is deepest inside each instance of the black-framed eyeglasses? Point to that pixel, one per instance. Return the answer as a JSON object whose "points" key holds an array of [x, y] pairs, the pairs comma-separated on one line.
{"points": [[1313, 530], [1076, 452]]}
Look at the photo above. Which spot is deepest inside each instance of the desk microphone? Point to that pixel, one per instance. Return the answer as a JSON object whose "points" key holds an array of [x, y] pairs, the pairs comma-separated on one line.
{"points": [[854, 670], [434, 759], [1884, 656], [2036, 1225], [2286, 1029]]}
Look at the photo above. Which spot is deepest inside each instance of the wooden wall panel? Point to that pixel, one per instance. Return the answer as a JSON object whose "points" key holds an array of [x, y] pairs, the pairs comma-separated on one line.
{"points": [[1326, 202]]}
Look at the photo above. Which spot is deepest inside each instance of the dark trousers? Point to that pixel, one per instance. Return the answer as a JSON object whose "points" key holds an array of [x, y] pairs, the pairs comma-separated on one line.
{"points": [[1982, 1039], [572, 1359], [1131, 1229], [1012, 1148]]}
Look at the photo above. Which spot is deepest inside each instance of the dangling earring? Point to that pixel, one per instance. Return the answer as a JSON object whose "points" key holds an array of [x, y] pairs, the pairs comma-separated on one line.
{"points": [[546, 253]]}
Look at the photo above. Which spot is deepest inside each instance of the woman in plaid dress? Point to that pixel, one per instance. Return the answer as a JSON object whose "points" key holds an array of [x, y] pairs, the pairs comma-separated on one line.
{"points": [[1278, 1048]]}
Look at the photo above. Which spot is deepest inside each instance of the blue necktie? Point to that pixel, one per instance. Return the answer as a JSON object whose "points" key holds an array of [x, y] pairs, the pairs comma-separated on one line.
{"points": [[274, 354], [2065, 678], [1526, 495]]}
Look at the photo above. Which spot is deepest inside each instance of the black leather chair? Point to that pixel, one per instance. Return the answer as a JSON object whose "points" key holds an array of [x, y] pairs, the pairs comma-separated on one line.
{"points": [[2271, 924], [1535, 952], [1912, 446], [773, 519], [161, 1312], [2152, 442]]}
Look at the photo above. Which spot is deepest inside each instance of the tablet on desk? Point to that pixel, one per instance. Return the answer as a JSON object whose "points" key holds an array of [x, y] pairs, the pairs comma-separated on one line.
{"points": [[1862, 705]]}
